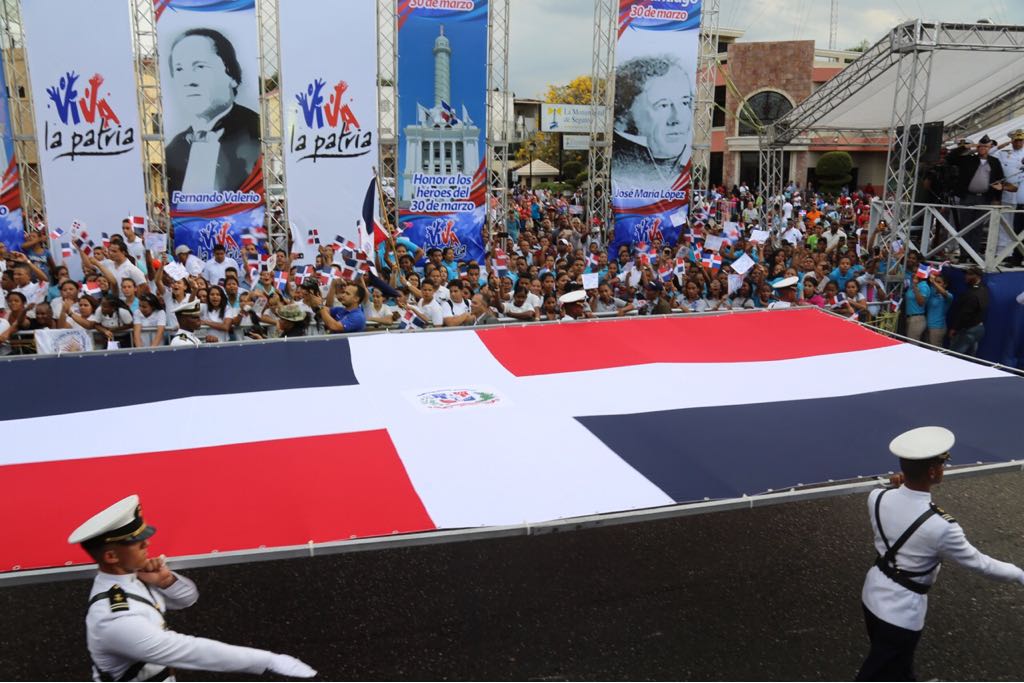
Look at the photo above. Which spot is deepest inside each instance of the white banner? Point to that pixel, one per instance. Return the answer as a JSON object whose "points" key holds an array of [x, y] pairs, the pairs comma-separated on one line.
{"points": [[566, 118], [86, 114], [62, 341], [576, 143], [330, 115]]}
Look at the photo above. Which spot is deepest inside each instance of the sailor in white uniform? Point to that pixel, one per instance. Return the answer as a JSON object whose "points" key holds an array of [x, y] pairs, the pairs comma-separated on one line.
{"points": [[127, 637], [785, 289], [188, 322], [913, 536]]}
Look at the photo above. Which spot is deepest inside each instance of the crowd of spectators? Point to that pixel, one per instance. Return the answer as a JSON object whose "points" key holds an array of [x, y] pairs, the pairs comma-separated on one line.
{"points": [[545, 261]]}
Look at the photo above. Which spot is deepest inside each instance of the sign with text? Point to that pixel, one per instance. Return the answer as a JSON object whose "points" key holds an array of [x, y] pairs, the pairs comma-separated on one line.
{"points": [[330, 114], [209, 80], [576, 143], [655, 82], [442, 98], [567, 118], [86, 113]]}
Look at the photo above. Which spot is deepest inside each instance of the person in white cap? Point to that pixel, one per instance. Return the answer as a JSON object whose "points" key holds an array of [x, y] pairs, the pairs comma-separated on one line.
{"points": [[190, 262], [785, 290], [187, 313], [912, 537], [127, 637], [572, 304]]}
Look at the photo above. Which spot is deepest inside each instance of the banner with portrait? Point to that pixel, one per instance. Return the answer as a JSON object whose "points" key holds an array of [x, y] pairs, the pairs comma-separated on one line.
{"points": [[209, 81], [84, 97], [442, 106], [330, 115], [655, 89], [12, 226]]}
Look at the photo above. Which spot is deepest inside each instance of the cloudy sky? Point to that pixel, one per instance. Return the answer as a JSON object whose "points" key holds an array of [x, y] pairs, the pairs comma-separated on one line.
{"points": [[551, 40]]}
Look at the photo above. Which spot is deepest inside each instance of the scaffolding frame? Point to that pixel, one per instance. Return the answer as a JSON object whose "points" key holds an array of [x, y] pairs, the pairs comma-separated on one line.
{"points": [[602, 101], [272, 126], [704, 107], [497, 112], [387, 102], [21, 112], [908, 49], [147, 81]]}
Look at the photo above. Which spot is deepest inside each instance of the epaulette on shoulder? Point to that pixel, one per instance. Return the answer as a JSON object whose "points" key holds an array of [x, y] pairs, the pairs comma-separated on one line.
{"points": [[118, 600], [945, 515]]}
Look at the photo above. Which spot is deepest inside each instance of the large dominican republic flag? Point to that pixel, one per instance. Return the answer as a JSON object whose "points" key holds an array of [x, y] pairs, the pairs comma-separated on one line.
{"points": [[283, 443]]}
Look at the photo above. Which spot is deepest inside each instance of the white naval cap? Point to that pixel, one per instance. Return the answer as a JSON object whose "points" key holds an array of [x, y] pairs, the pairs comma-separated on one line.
{"points": [[188, 307], [922, 443], [573, 297], [786, 282], [120, 523]]}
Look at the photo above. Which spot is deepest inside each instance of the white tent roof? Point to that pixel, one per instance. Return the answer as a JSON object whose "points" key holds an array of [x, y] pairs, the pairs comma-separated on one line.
{"points": [[999, 132], [536, 168], [973, 67], [961, 80]]}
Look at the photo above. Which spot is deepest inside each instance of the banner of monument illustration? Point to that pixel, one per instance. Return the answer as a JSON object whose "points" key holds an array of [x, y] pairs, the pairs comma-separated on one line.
{"points": [[442, 98], [330, 115], [209, 75], [655, 81], [86, 115]]}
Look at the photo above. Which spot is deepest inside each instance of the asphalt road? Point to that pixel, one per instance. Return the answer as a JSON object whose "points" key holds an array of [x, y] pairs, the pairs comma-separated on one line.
{"points": [[765, 594]]}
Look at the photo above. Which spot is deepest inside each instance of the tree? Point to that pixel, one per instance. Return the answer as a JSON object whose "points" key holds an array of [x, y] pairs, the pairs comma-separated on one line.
{"points": [[833, 171], [576, 92], [862, 46]]}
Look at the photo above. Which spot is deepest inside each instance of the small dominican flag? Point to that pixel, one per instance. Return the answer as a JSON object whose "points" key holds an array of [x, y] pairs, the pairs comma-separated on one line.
{"points": [[666, 274], [349, 270], [643, 259], [448, 114], [312, 236], [339, 243], [500, 262], [248, 239], [410, 321], [56, 233], [680, 268], [325, 278], [92, 289], [895, 304], [281, 280], [712, 260], [924, 271], [592, 261], [138, 224], [106, 239], [65, 250]]}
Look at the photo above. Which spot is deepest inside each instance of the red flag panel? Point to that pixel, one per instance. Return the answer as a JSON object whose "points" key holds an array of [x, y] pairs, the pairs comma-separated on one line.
{"points": [[232, 497], [715, 339]]}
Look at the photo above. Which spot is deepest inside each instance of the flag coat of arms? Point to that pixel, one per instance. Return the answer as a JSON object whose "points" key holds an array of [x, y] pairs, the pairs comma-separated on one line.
{"points": [[374, 469]]}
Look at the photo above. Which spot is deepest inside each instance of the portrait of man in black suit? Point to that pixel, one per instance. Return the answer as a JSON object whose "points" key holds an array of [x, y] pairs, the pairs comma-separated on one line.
{"points": [[221, 145], [653, 122]]}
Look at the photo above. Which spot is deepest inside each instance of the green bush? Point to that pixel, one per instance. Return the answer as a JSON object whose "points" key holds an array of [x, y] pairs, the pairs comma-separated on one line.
{"points": [[582, 178], [833, 171], [571, 169]]}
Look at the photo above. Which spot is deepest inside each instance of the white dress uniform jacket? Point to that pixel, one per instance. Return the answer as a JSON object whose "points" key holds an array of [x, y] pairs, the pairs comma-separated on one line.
{"points": [[939, 538], [119, 637]]}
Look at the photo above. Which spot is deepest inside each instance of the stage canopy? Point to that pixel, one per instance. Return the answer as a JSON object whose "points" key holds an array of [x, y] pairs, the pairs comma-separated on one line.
{"points": [[976, 69], [252, 447]]}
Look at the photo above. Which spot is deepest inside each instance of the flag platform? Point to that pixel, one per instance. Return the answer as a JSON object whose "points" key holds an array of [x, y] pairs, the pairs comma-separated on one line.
{"points": [[289, 448]]}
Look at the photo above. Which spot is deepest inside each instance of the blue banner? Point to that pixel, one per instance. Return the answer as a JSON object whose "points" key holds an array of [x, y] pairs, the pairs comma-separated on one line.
{"points": [[442, 103], [12, 227], [655, 90], [211, 122]]}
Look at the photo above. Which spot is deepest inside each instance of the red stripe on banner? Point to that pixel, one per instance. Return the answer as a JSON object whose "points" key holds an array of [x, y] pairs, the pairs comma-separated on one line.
{"points": [[730, 338], [233, 497], [254, 183]]}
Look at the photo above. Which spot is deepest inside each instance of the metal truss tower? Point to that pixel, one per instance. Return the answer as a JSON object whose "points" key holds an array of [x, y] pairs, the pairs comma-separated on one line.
{"points": [[703, 113], [602, 98], [272, 124], [147, 81], [22, 118], [498, 113], [387, 103]]}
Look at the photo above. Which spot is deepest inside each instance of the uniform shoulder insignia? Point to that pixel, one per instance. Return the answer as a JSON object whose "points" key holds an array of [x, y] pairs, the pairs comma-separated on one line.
{"points": [[945, 515], [118, 600]]}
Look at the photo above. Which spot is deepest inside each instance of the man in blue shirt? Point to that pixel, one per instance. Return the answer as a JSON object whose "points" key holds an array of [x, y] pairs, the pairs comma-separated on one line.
{"points": [[917, 302], [349, 316]]}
